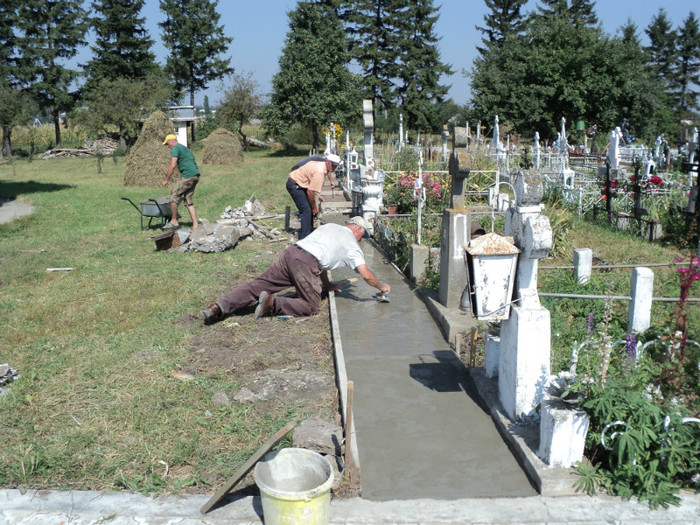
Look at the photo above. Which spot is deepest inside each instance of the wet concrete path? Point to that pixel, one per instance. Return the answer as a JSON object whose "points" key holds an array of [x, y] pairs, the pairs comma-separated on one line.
{"points": [[420, 429]]}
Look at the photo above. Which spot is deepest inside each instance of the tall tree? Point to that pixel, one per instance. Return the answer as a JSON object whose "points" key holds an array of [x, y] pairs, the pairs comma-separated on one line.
{"points": [[688, 67], [313, 85], [196, 43], [375, 45], [241, 102], [662, 50], [16, 108], [51, 33], [420, 67], [8, 21], [504, 18], [122, 46]]}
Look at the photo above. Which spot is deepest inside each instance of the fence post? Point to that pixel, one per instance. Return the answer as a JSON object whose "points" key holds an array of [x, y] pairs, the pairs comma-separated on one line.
{"points": [[583, 262], [641, 289]]}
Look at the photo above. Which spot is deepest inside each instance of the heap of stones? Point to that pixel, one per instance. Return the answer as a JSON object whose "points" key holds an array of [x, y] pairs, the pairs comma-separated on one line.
{"points": [[234, 225], [7, 376]]}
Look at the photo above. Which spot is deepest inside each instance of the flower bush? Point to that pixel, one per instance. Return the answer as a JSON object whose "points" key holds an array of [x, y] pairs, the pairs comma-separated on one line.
{"points": [[641, 395], [403, 192]]}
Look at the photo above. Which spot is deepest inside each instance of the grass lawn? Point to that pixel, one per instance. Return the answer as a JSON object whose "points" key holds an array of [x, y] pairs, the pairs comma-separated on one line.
{"points": [[97, 405]]}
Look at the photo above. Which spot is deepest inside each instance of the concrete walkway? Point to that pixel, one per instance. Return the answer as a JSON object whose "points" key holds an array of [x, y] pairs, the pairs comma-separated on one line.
{"points": [[422, 430], [11, 209]]}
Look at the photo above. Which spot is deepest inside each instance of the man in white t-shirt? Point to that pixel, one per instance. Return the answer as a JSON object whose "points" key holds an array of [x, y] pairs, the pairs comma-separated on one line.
{"points": [[304, 265]]}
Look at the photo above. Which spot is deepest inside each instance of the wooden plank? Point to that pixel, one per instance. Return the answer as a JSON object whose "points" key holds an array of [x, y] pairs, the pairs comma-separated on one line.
{"points": [[226, 488]]}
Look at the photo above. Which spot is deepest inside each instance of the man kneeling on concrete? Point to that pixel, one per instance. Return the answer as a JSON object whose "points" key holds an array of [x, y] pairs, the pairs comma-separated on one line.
{"points": [[305, 266]]}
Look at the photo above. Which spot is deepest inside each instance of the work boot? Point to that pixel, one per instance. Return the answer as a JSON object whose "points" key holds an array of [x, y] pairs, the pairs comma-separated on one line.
{"points": [[212, 313], [266, 303]]}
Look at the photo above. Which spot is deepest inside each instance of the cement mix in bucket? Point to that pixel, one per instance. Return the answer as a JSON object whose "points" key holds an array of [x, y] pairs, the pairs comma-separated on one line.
{"points": [[294, 487]]}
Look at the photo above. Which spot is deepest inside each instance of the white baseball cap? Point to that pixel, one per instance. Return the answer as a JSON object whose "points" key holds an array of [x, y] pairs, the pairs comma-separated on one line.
{"points": [[333, 158]]}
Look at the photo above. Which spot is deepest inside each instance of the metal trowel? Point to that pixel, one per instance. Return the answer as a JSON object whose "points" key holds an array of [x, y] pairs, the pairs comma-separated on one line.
{"points": [[382, 298]]}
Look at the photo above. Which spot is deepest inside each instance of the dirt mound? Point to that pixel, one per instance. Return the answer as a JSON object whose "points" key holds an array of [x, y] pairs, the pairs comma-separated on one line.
{"points": [[222, 148], [148, 161]]}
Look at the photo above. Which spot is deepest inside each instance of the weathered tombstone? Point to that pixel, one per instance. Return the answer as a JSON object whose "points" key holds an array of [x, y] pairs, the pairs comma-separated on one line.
{"points": [[524, 363]]}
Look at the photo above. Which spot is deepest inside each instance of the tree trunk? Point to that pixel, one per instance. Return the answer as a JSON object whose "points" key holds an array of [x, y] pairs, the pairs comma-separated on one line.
{"points": [[6, 149], [245, 139], [57, 128], [316, 139]]}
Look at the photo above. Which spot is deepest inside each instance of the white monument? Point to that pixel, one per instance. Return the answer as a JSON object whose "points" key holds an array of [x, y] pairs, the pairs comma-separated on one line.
{"points": [[524, 360]]}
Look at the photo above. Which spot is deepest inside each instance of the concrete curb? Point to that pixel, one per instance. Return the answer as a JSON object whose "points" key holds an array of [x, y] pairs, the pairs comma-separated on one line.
{"points": [[117, 508]]}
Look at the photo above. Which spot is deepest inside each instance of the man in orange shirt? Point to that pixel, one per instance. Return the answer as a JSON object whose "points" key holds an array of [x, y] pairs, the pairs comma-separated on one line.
{"points": [[304, 184]]}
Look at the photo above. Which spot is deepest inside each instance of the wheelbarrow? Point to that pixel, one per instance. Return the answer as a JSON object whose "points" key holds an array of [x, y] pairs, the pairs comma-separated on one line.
{"points": [[153, 209]]}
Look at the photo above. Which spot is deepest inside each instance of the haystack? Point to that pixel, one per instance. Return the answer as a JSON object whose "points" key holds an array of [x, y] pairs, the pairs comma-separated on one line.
{"points": [[148, 161], [222, 148]]}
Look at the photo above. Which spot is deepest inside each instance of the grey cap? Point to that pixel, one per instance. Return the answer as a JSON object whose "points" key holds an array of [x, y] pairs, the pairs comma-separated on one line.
{"points": [[360, 221]]}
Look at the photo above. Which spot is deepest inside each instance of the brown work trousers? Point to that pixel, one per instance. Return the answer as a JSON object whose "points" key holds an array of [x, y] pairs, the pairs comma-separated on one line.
{"points": [[294, 267]]}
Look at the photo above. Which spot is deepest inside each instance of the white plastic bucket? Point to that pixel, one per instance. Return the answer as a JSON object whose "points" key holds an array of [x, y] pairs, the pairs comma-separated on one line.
{"points": [[295, 486]]}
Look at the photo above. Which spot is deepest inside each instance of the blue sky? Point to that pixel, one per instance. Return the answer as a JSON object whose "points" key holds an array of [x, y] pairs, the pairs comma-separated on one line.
{"points": [[258, 29]]}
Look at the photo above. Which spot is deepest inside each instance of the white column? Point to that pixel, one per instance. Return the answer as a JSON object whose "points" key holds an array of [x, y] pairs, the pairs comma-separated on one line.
{"points": [[641, 290], [583, 262], [524, 360]]}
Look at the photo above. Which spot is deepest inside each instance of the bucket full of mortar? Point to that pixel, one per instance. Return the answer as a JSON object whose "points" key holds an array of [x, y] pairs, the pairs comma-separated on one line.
{"points": [[295, 486]]}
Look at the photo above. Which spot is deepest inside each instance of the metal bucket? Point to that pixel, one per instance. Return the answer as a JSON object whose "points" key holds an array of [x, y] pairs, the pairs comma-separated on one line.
{"points": [[295, 486]]}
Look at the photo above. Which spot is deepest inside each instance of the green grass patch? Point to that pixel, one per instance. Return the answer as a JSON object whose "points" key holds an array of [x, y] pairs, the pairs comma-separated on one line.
{"points": [[96, 405]]}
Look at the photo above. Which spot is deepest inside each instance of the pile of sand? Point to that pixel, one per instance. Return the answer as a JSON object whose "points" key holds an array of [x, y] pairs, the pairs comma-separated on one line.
{"points": [[148, 161], [222, 148]]}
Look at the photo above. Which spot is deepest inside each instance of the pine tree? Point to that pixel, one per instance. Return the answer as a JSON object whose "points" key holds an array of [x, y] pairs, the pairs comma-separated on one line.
{"points": [[375, 45], [580, 13], [662, 51], [688, 66], [8, 20], [313, 85], [196, 42], [50, 34], [420, 67], [504, 19], [122, 45]]}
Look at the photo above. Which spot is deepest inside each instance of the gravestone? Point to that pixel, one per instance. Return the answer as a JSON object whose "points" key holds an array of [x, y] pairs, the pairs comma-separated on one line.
{"points": [[524, 360]]}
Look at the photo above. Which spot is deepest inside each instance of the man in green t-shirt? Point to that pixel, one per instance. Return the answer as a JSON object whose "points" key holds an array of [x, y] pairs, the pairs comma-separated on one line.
{"points": [[183, 159]]}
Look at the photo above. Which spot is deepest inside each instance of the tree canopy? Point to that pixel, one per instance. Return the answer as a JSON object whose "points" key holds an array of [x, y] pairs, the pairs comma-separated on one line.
{"points": [[50, 34], [419, 69], [196, 41], [122, 47], [241, 102], [562, 64], [313, 85]]}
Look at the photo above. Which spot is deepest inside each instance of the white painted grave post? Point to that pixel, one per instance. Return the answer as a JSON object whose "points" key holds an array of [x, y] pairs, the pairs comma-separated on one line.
{"points": [[524, 361], [583, 263], [641, 289]]}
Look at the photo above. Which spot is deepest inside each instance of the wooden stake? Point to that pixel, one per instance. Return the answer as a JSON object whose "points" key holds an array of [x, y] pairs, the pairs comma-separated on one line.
{"points": [[226, 488], [349, 459], [472, 350]]}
